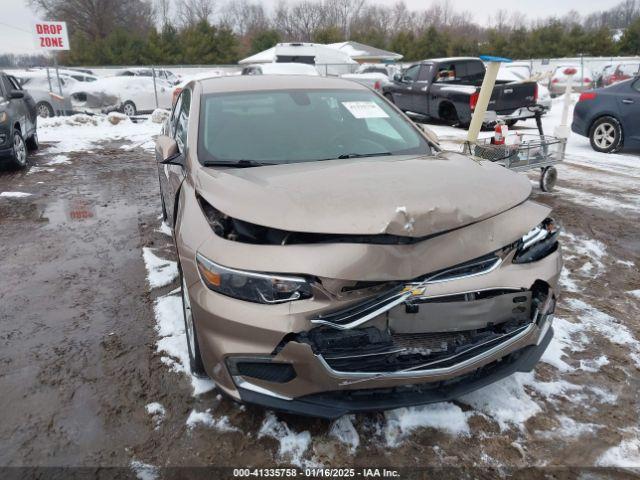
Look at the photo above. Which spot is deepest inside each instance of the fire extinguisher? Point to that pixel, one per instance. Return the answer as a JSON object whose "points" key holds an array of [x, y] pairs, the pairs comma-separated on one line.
{"points": [[500, 134]]}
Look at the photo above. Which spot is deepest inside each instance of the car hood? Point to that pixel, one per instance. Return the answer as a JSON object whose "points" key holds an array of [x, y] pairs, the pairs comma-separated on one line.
{"points": [[400, 195]]}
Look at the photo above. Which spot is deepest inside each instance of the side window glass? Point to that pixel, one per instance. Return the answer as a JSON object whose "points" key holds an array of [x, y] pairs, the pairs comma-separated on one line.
{"points": [[425, 73], [412, 73], [446, 73], [174, 117], [6, 83], [14, 83], [636, 85], [182, 120]]}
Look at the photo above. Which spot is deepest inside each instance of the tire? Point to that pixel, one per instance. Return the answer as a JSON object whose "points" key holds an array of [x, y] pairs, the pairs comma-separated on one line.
{"points": [[606, 135], [129, 108], [18, 151], [44, 110], [548, 179], [389, 97], [449, 114], [195, 360], [32, 142]]}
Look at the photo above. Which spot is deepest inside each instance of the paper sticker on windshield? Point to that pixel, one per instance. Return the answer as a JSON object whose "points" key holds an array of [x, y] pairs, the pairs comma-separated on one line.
{"points": [[365, 109]]}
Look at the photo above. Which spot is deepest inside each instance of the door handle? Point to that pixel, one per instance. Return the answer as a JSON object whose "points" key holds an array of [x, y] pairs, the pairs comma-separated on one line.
{"points": [[627, 101]]}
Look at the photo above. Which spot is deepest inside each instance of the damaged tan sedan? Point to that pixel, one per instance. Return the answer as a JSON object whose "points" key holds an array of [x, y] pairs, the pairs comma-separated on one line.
{"points": [[334, 259]]}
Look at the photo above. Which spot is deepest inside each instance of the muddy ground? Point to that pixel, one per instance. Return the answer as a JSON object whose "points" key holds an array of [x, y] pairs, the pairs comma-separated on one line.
{"points": [[78, 360]]}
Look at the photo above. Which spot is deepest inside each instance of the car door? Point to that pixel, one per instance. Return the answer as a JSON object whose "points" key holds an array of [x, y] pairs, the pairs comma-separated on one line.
{"points": [[17, 107], [403, 90], [420, 89], [629, 107], [174, 174], [29, 105]]}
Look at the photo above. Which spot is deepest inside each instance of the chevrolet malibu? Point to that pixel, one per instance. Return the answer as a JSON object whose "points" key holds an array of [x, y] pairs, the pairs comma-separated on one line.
{"points": [[334, 259]]}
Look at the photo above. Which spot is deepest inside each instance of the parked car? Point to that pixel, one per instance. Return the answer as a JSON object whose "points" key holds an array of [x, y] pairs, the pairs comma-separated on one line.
{"points": [[447, 89], [609, 116], [132, 95], [280, 69], [601, 78], [543, 99], [45, 91], [581, 81], [622, 72], [160, 73], [373, 80], [306, 211], [18, 122], [196, 76]]}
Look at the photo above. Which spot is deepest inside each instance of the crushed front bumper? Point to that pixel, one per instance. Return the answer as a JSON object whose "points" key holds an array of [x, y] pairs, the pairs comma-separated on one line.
{"points": [[334, 404], [488, 323]]}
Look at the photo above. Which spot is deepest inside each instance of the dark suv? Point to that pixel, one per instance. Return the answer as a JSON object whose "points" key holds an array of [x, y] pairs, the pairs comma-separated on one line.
{"points": [[18, 122]]}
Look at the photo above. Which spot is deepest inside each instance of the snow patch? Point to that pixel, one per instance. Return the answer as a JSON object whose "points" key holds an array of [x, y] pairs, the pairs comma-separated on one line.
{"points": [[157, 412], [625, 455], [59, 160], [205, 418], [14, 194], [344, 431], [173, 341], [292, 445], [442, 416], [144, 471], [160, 272]]}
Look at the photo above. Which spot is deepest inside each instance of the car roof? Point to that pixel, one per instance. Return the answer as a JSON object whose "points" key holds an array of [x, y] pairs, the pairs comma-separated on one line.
{"points": [[449, 59], [248, 83]]}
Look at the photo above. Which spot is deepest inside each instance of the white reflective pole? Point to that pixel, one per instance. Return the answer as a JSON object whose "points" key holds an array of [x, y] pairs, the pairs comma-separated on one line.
{"points": [[483, 101], [563, 130]]}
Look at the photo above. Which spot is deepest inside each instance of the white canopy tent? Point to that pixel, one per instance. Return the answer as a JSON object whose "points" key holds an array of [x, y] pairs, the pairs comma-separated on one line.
{"points": [[328, 60]]}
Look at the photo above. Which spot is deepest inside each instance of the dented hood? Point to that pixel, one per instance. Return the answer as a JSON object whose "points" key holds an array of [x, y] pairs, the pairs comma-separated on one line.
{"points": [[401, 195]]}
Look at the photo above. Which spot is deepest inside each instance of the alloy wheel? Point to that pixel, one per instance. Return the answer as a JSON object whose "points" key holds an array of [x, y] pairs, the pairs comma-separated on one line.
{"points": [[129, 110], [43, 111], [604, 135], [20, 149]]}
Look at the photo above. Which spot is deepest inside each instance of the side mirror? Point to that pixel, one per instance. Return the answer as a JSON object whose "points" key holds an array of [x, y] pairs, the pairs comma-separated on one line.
{"points": [[16, 94], [397, 77], [168, 150]]}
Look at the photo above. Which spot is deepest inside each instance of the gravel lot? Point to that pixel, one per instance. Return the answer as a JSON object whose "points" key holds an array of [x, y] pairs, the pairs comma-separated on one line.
{"points": [[92, 357]]}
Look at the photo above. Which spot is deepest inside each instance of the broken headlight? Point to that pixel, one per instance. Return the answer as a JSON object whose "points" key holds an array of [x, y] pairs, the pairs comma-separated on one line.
{"points": [[538, 242], [252, 286]]}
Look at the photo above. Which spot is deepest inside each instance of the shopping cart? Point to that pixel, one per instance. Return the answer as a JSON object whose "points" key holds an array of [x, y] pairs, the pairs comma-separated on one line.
{"points": [[526, 153]]}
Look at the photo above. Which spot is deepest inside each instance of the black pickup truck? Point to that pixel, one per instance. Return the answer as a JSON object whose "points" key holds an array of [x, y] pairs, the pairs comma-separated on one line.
{"points": [[447, 89]]}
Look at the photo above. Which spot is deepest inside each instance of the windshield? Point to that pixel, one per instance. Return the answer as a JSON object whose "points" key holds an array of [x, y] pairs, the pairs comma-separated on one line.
{"points": [[299, 126]]}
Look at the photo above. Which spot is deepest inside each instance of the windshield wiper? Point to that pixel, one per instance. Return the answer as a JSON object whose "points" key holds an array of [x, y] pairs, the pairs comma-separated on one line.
{"points": [[362, 155], [235, 163]]}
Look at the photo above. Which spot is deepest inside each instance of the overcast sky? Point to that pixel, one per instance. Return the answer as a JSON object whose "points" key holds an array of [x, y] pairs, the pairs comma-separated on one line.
{"points": [[16, 20]]}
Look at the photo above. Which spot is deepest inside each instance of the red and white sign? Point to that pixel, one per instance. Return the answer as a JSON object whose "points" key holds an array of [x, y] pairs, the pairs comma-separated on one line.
{"points": [[51, 35]]}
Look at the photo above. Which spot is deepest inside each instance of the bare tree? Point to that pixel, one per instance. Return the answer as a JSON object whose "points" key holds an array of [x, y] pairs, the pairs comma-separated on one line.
{"points": [[98, 18], [191, 12], [245, 17], [162, 11]]}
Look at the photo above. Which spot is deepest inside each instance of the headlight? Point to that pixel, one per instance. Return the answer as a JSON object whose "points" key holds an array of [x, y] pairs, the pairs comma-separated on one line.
{"points": [[3, 117], [252, 286], [538, 243]]}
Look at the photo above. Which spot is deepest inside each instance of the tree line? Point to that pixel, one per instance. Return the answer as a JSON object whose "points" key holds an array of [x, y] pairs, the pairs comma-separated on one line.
{"points": [[142, 32]]}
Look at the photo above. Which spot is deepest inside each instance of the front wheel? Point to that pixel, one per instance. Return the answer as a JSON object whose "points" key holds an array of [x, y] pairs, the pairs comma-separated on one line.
{"points": [[605, 135], [129, 108], [548, 179], [44, 110], [19, 151], [195, 360], [389, 97]]}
